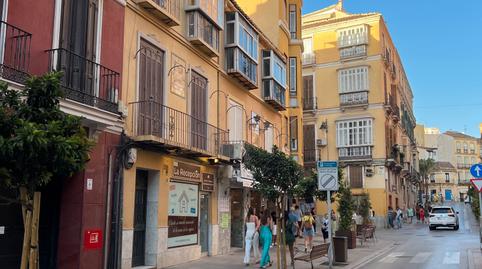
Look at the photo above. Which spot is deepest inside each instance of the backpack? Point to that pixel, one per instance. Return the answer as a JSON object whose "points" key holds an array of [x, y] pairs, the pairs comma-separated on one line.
{"points": [[308, 222]]}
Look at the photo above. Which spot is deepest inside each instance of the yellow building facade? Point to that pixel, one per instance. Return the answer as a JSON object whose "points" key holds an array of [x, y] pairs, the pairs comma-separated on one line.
{"points": [[358, 106], [443, 183], [202, 78]]}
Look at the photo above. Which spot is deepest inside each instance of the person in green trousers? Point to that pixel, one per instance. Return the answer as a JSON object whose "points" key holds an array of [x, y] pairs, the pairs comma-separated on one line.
{"points": [[266, 238]]}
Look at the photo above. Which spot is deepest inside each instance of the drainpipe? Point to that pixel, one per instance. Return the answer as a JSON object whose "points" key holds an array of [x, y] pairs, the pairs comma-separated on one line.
{"points": [[108, 211]]}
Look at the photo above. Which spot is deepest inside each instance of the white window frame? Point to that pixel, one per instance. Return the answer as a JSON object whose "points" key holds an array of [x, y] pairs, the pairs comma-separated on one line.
{"points": [[352, 36], [355, 79], [269, 138], [347, 129], [293, 20], [274, 60], [293, 72], [235, 121]]}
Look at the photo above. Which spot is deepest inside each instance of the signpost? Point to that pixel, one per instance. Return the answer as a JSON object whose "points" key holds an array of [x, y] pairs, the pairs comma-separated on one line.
{"points": [[476, 171], [328, 181]]}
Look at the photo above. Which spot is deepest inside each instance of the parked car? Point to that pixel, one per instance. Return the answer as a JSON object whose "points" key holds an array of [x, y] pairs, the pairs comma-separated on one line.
{"points": [[443, 216]]}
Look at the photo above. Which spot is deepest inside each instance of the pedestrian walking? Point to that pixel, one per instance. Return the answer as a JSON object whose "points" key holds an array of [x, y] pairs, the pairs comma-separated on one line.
{"points": [[422, 215], [291, 232], [390, 215], [410, 214], [314, 217], [417, 212], [275, 227], [299, 215], [308, 232], [252, 236], [266, 238], [399, 218], [324, 227]]}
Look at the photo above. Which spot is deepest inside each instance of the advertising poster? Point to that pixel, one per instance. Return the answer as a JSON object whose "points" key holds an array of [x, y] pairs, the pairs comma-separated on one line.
{"points": [[182, 215]]}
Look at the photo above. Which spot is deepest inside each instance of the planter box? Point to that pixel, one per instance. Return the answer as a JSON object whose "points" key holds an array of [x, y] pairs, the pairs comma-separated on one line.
{"points": [[351, 235]]}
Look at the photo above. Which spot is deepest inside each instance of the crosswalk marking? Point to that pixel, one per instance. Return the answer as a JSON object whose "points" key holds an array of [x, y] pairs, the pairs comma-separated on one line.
{"points": [[452, 258], [420, 257], [391, 258]]}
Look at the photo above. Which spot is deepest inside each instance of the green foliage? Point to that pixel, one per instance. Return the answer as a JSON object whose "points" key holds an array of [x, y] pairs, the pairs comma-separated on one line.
{"points": [[308, 188], [427, 166], [345, 205], [364, 207], [474, 201], [275, 174], [38, 142]]}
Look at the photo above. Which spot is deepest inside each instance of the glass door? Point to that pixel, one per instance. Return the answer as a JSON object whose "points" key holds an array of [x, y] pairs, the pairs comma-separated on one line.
{"points": [[204, 222]]}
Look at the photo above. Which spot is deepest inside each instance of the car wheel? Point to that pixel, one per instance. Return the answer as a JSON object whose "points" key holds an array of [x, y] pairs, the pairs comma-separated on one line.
{"points": [[456, 228], [431, 228]]}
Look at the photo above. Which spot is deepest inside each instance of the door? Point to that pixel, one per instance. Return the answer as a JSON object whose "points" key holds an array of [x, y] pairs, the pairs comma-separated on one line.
{"points": [[198, 111], [151, 91], [308, 98], [237, 218], [78, 38], [204, 222], [139, 242], [309, 147], [448, 195]]}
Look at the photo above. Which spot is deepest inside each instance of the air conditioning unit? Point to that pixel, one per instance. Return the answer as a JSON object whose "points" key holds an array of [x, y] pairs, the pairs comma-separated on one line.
{"points": [[369, 172], [321, 142], [233, 151]]}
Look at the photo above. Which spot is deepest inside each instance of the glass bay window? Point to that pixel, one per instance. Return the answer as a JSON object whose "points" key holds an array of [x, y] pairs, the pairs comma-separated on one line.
{"points": [[274, 80]]}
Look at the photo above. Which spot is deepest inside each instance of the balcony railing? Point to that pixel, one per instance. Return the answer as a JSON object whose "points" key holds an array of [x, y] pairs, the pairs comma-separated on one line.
{"points": [[353, 39], [463, 166], [308, 58], [309, 155], [353, 52], [393, 107], [355, 153], [14, 52], [86, 81], [274, 94], [310, 103], [168, 11], [464, 181], [157, 124], [354, 98]]}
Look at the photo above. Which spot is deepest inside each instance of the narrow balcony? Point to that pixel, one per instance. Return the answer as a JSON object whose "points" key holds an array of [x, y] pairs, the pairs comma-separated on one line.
{"points": [[202, 33], [463, 166], [355, 153], [353, 40], [353, 99], [240, 66], [353, 52], [464, 182], [14, 53], [310, 104], [167, 11], [308, 58], [274, 94], [85, 81], [159, 126]]}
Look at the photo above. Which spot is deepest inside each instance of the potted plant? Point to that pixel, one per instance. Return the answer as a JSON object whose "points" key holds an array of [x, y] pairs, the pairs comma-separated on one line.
{"points": [[364, 208], [345, 210]]}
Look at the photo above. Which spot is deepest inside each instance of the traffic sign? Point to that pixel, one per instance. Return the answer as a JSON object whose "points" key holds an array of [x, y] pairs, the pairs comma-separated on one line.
{"points": [[477, 182], [327, 176], [476, 170]]}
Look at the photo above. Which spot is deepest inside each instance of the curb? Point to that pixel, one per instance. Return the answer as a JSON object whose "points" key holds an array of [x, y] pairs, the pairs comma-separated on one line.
{"points": [[470, 257], [372, 257]]}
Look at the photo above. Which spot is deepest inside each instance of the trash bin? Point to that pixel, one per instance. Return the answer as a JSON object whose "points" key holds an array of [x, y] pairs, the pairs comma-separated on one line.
{"points": [[340, 247]]}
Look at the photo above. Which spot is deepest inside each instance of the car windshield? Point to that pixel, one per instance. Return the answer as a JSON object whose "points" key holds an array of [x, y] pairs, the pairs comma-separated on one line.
{"points": [[441, 210]]}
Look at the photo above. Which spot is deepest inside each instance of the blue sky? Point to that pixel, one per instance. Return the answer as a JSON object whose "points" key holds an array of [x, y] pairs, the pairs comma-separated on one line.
{"points": [[440, 43]]}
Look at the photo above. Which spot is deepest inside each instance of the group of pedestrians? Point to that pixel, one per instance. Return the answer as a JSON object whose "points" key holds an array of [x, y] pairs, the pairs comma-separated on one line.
{"points": [[263, 230], [396, 218]]}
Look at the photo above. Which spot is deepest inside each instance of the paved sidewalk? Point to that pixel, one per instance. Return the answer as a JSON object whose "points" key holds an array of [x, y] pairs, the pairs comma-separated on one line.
{"points": [[475, 258], [356, 257]]}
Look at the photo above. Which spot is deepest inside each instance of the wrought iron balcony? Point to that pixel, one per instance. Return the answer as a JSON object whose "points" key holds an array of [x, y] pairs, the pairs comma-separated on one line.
{"points": [[162, 127], [310, 103], [168, 11], [463, 166], [86, 81], [355, 153], [308, 58], [353, 52], [14, 52], [354, 99], [274, 94]]}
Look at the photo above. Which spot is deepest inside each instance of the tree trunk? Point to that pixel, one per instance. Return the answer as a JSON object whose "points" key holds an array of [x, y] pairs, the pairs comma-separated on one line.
{"points": [[33, 263], [278, 260], [282, 234], [26, 239]]}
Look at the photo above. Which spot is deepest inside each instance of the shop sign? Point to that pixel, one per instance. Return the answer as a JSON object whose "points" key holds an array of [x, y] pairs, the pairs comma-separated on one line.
{"points": [[182, 215], [187, 172], [207, 182], [93, 239]]}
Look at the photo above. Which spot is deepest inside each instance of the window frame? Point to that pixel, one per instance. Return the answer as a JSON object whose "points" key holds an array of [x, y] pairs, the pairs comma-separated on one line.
{"points": [[293, 22], [354, 79], [293, 70], [343, 139]]}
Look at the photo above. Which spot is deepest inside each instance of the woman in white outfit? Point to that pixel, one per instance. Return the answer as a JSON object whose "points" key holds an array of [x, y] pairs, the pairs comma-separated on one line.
{"points": [[252, 236]]}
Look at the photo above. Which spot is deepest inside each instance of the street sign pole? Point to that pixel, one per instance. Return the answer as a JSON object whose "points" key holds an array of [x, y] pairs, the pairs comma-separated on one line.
{"points": [[477, 184], [330, 248], [480, 218]]}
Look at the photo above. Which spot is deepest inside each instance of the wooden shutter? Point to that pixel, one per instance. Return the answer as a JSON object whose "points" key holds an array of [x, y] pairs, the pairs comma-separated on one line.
{"points": [[309, 145], [198, 110], [356, 176], [294, 132], [308, 92]]}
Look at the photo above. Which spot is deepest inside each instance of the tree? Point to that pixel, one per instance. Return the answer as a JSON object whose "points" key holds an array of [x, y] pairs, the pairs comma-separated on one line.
{"points": [[345, 207], [427, 166], [308, 188], [364, 208], [38, 143], [276, 176]]}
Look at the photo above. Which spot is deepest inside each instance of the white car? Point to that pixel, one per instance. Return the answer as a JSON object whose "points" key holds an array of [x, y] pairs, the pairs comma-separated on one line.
{"points": [[443, 216]]}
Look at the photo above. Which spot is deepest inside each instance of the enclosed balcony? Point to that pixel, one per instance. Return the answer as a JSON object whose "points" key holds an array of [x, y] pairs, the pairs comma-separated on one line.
{"points": [[355, 153], [242, 67], [202, 33], [14, 52], [274, 94], [158, 126], [352, 99], [167, 11], [308, 58], [310, 104], [86, 81]]}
